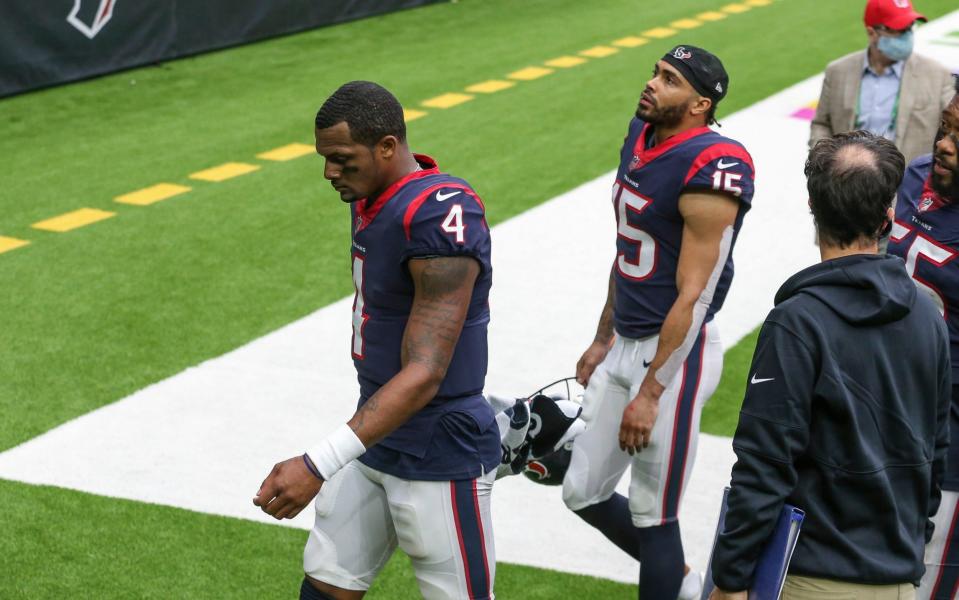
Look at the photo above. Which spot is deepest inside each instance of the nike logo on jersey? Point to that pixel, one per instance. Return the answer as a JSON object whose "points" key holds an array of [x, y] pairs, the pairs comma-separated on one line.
{"points": [[754, 380], [725, 165], [441, 197], [646, 364]]}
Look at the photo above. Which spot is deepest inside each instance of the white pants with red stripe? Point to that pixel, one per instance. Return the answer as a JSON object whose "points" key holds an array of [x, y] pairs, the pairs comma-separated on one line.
{"points": [[942, 553], [444, 526], [660, 471]]}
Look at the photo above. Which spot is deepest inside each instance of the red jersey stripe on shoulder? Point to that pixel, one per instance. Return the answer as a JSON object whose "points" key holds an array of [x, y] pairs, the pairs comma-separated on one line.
{"points": [[718, 151], [648, 155], [424, 195], [368, 213]]}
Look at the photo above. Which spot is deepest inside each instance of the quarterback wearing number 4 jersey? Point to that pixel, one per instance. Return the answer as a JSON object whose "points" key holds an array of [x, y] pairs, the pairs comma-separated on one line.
{"points": [[926, 235], [427, 213], [680, 195], [414, 466]]}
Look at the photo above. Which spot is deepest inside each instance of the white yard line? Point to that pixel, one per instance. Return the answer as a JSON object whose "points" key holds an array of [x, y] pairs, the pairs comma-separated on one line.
{"points": [[205, 438]]}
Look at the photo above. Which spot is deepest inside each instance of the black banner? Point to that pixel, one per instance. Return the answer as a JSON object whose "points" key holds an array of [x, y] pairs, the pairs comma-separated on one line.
{"points": [[55, 41]]}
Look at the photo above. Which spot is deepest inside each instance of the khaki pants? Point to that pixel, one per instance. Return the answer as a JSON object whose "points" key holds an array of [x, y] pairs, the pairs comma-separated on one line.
{"points": [[813, 588]]}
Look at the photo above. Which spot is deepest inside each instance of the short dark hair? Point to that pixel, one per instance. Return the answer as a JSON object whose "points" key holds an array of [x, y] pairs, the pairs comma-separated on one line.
{"points": [[852, 179], [370, 111]]}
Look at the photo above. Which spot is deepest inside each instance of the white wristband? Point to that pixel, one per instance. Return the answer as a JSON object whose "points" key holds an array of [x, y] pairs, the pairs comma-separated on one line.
{"points": [[334, 452]]}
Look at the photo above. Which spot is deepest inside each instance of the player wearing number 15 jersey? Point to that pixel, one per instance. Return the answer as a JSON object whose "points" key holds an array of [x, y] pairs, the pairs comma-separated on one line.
{"points": [[926, 235], [680, 195], [415, 464]]}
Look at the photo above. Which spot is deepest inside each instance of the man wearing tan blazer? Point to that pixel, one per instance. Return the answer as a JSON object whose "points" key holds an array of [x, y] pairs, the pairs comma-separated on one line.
{"points": [[886, 89]]}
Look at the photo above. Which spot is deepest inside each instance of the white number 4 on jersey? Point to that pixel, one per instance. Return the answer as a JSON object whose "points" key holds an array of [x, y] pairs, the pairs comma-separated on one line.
{"points": [[453, 223]]}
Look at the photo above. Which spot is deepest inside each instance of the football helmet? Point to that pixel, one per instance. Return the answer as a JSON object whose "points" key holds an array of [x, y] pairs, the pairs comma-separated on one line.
{"points": [[536, 432], [550, 469]]}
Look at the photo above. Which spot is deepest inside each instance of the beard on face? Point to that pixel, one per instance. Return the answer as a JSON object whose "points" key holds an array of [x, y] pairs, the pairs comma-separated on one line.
{"points": [[950, 190], [663, 116]]}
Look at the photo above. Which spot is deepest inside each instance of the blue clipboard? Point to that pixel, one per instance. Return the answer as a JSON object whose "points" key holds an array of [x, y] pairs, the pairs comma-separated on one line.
{"points": [[770, 573]]}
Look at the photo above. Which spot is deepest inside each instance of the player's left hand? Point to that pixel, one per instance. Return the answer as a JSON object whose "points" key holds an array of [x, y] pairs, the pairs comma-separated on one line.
{"points": [[718, 594], [287, 489], [636, 428]]}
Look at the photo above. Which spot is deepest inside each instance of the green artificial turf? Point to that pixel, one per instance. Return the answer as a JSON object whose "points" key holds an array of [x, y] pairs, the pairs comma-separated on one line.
{"points": [[721, 413], [64, 543], [91, 316], [512, 581], [71, 544]]}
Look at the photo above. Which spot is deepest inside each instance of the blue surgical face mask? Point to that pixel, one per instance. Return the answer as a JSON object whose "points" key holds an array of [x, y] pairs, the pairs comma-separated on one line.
{"points": [[896, 48]]}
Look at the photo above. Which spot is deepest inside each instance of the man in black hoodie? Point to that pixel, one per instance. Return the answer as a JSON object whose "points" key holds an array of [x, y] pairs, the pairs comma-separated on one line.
{"points": [[845, 413]]}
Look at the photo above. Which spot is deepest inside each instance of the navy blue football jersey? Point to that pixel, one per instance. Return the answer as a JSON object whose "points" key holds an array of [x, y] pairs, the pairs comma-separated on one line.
{"points": [[926, 236], [646, 194], [425, 214]]}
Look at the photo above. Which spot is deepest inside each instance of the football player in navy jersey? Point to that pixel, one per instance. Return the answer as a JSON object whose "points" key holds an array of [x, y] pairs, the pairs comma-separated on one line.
{"points": [[680, 195], [415, 464], [926, 235]]}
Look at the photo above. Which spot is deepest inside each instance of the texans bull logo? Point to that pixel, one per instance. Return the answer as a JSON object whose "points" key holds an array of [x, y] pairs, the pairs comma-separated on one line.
{"points": [[86, 20]]}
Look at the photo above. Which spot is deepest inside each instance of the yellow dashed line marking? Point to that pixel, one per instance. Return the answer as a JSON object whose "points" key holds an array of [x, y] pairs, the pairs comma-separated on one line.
{"points": [[447, 100], [8, 243], [530, 73], [73, 220], [599, 51], [659, 32], [288, 152], [710, 16], [686, 24], [155, 193], [162, 191], [491, 86], [224, 171], [565, 62], [630, 42]]}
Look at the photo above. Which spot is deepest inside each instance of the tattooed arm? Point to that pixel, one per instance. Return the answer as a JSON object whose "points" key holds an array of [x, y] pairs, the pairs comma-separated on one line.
{"points": [[443, 288]]}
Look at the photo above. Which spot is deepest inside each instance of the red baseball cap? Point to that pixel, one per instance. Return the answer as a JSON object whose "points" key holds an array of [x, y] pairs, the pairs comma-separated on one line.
{"points": [[894, 14]]}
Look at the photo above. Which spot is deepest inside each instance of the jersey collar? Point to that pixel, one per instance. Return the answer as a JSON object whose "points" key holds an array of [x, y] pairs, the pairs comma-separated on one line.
{"points": [[930, 199], [366, 211], [642, 155]]}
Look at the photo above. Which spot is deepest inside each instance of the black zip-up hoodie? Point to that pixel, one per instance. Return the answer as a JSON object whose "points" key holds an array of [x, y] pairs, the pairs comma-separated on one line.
{"points": [[845, 417]]}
